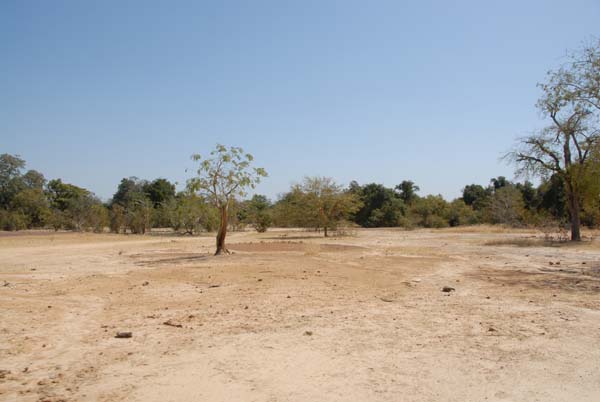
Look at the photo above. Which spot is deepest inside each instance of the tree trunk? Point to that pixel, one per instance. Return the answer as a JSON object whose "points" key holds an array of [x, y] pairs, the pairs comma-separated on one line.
{"points": [[575, 220], [573, 204], [325, 230], [221, 249]]}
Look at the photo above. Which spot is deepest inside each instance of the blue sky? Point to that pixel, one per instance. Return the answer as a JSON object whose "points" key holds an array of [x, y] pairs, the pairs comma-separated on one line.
{"points": [[383, 91]]}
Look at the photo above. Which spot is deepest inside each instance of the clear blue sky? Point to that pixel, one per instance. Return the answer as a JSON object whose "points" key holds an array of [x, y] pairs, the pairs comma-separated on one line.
{"points": [[93, 91]]}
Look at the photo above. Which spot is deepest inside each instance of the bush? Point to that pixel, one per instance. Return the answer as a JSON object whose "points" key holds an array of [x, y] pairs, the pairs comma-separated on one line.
{"points": [[57, 220], [98, 218], [262, 221], [117, 219], [507, 207], [435, 221], [461, 214], [13, 220], [192, 214]]}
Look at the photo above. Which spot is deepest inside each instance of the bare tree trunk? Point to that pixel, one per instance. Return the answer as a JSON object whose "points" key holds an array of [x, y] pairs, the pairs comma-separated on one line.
{"points": [[325, 230], [221, 249]]}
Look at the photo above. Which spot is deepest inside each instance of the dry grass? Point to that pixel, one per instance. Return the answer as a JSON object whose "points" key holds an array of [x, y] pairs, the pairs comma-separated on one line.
{"points": [[587, 241], [524, 242]]}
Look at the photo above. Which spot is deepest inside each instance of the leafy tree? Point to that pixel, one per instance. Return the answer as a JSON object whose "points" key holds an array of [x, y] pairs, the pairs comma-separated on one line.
{"points": [[571, 101], [391, 213], [553, 198], [10, 178], [63, 195], [530, 195], [57, 219], [408, 191], [129, 188], [192, 213], [459, 213], [13, 220], [285, 210], [499, 182], [237, 216], [138, 210], [138, 213], [159, 191], [225, 174], [319, 202], [476, 196], [75, 208], [118, 219], [33, 179], [98, 217], [33, 205], [430, 211], [591, 189], [381, 206], [10, 167], [86, 213], [258, 212]]}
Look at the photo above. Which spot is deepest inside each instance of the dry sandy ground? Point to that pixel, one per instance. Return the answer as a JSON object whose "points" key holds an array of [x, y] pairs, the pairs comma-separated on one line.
{"points": [[295, 317]]}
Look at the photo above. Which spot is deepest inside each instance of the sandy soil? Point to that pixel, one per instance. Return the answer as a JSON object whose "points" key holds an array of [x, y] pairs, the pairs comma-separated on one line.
{"points": [[295, 317]]}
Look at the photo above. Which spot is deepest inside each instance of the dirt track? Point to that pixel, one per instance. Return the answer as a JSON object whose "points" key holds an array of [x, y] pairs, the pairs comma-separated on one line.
{"points": [[295, 317]]}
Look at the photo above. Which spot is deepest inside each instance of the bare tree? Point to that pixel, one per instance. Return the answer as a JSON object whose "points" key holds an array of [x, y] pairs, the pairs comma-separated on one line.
{"points": [[225, 174]]}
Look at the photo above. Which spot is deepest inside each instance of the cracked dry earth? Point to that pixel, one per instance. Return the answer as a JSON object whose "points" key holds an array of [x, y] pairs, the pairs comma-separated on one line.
{"points": [[292, 316]]}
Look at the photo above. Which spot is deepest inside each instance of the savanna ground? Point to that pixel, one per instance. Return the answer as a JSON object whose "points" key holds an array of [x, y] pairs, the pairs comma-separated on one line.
{"points": [[292, 316]]}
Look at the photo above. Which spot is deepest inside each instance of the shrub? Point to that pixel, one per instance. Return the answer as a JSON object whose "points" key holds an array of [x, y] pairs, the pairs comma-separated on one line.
{"points": [[13, 220]]}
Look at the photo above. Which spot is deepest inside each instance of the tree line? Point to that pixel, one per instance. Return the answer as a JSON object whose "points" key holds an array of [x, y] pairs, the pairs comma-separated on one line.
{"points": [[28, 200], [564, 155]]}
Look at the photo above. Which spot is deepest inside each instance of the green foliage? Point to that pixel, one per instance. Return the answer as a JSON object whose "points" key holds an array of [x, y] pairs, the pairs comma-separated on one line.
{"points": [[258, 213], [318, 202], [530, 195], [225, 174], [33, 205], [13, 220], [10, 178], [118, 219], [131, 206], [34, 180], [159, 191], [98, 218], [476, 196], [10, 167], [590, 185], [75, 208], [430, 212], [381, 206], [130, 188], [86, 213], [192, 214], [138, 213], [499, 182], [553, 197], [63, 196], [57, 220], [408, 191], [459, 213]]}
